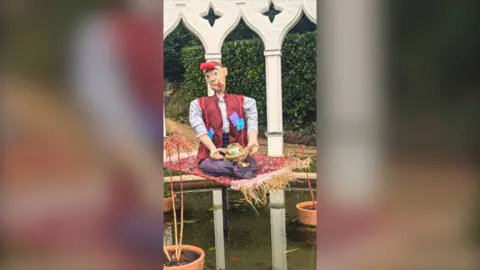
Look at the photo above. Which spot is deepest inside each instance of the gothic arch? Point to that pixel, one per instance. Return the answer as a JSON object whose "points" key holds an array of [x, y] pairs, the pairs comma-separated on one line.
{"points": [[230, 12]]}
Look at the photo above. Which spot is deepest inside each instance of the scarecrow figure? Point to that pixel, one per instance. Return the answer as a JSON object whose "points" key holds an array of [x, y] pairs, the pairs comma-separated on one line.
{"points": [[227, 127], [222, 120]]}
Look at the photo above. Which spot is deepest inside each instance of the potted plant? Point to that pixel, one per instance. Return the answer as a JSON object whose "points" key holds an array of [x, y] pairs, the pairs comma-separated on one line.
{"points": [[306, 211], [180, 256]]}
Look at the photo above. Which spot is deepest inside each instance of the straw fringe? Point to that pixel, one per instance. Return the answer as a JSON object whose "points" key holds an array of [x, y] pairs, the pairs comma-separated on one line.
{"points": [[256, 195], [255, 192]]}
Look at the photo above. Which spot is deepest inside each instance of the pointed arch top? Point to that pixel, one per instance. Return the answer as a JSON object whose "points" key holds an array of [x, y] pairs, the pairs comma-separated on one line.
{"points": [[230, 12], [310, 9]]}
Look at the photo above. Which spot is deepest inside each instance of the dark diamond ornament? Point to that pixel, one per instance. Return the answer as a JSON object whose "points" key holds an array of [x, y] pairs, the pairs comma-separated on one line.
{"points": [[211, 17], [272, 12]]}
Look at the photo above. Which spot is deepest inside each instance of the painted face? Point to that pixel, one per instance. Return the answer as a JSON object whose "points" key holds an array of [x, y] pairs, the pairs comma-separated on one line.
{"points": [[216, 78]]}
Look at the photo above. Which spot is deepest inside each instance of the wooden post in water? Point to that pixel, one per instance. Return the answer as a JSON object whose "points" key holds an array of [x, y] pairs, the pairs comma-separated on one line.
{"points": [[278, 229], [168, 235], [218, 219], [225, 212]]}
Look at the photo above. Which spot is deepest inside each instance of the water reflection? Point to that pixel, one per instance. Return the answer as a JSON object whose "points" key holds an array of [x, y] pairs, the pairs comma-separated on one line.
{"points": [[269, 240]]}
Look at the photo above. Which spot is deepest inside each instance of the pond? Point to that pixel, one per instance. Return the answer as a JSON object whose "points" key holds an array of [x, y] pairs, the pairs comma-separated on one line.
{"points": [[251, 242]]}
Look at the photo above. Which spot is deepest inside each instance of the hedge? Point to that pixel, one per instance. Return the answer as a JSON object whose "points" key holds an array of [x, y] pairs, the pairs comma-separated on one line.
{"points": [[246, 75]]}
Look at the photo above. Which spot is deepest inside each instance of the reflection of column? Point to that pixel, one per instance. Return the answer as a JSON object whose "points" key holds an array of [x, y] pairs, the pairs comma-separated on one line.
{"points": [[168, 235], [273, 69], [278, 230], [212, 57], [351, 99], [218, 226]]}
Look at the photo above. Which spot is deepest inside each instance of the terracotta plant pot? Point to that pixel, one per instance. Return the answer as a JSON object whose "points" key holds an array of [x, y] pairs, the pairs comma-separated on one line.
{"points": [[167, 204], [306, 216], [196, 265]]}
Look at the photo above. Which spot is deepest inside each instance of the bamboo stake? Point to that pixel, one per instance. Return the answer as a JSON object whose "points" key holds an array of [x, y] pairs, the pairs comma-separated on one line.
{"points": [[311, 191], [169, 258], [308, 181], [173, 201], [181, 208]]}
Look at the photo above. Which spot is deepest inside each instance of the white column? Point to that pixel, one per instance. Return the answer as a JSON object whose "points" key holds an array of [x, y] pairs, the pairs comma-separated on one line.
{"points": [[278, 230], [213, 57], [218, 226], [352, 140], [273, 72]]}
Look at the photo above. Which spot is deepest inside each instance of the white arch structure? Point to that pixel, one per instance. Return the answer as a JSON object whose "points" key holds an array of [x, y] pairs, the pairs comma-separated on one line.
{"points": [[191, 13]]}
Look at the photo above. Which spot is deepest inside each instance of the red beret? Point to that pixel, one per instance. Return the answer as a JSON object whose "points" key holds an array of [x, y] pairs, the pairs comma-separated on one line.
{"points": [[209, 65]]}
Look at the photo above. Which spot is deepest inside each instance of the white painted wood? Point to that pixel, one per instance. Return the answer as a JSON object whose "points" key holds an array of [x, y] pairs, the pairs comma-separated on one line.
{"points": [[310, 10], [172, 14], [212, 37], [272, 33], [168, 235], [273, 69], [218, 227], [278, 229]]}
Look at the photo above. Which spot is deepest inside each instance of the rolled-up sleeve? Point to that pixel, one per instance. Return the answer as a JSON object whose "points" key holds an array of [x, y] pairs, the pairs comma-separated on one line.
{"points": [[196, 119], [250, 107]]}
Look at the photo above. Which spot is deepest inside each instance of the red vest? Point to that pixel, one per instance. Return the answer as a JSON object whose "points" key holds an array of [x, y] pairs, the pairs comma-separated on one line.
{"points": [[212, 118]]}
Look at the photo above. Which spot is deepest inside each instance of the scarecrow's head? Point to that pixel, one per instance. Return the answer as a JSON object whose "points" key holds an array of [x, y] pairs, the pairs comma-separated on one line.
{"points": [[215, 75]]}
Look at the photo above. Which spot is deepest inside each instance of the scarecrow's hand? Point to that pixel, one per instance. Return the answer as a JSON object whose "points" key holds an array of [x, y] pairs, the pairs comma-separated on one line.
{"points": [[253, 147], [215, 154], [222, 150]]}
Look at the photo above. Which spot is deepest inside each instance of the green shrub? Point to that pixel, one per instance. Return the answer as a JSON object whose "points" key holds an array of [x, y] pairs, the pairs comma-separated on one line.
{"points": [[173, 45], [299, 80], [194, 83], [246, 65], [176, 105], [306, 135]]}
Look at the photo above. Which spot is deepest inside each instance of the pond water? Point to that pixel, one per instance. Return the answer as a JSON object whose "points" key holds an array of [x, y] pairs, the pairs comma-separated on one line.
{"points": [[249, 243]]}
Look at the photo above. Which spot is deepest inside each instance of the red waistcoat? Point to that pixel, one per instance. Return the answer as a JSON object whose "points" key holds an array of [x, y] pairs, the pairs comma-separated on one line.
{"points": [[212, 118]]}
